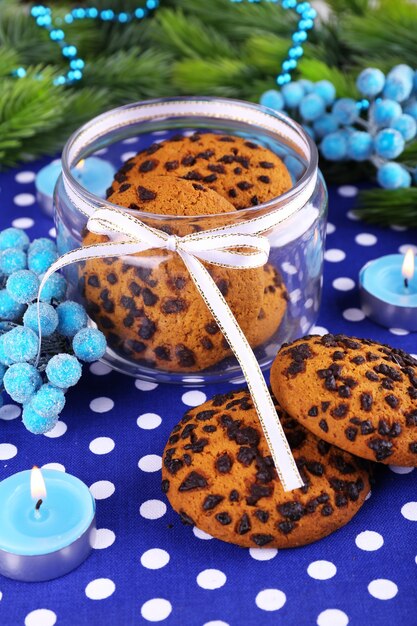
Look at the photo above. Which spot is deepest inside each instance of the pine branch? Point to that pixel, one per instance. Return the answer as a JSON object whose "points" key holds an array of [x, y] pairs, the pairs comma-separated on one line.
{"points": [[318, 70], [386, 207], [9, 60], [225, 77], [357, 7], [266, 52]]}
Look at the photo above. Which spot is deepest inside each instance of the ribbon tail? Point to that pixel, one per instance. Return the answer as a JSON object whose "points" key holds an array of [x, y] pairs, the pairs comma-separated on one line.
{"points": [[273, 431]]}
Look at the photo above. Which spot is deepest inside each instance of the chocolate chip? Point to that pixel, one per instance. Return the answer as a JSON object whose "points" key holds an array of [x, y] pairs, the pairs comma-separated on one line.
{"points": [[174, 439], [173, 465], [232, 193], [124, 187], [234, 496], [93, 281], [341, 500], [147, 328], [218, 168], [263, 516], [244, 185], [261, 540], [411, 418], [163, 353], [327, 510], [340, 411], [211, 502], [227, 138], [257, 492], [323, 425], [224, 463], [315, 468], [266, 165], [293, 511], [206, 343], [112, 278], [237, 170], [243, 526], [148, 166], [264, 179], [413, 447], [109, 191], [165, 485], [188, 160], [388, 371], [392, 401], [224, 518], [313, 412], [323, 447], [295, 368], [367, 428], [194, 480], [351, 433], [135, 289], [137, 346], [211, 178], [145, 194], [246, 455], [325, 406], [153, 148], [210, 429], [202, 416], [106, 322], [108, 306], [247, 436], [187, 459], [193, 175], [223, 286], [149, 298], [171, 165], [366, 401], [358, 360], [286, 527], [174, 305], [382, 449], [128, 321], [344, 391], [227, 158], [372, 376], [186, 519]]}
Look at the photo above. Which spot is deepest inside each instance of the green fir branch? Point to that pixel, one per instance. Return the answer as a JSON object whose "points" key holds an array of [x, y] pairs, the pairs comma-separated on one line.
{"points": [[386, 207]]}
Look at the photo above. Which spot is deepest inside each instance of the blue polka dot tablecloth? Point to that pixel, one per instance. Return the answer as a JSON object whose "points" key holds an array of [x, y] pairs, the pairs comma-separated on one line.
{"points": [[146, 567]]}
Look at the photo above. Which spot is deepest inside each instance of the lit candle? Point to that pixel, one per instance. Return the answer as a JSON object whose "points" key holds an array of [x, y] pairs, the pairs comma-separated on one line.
{"points": [[47, 524], [388, 288], [93, 174]]}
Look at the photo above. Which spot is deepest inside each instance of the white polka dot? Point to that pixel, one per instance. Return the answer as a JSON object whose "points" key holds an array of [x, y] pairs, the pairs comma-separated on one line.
{"points": [[153, 509], [7, 451], [334, 255], [321, 570], [330, 228], [398, 469], [263, 554], [156, 610], [409, 510], [295, 296], [52, 232], [100, 588], [54, 466], [399, 331], [99, 369], [103, 538], [289, 268], [216, 622], [332, 617], [25, 177], [23, 222], [270, 599], [130, 140], [353, 216], [101, 405], [193, 398], [40, 617], [382, 589], [145, 385], [127, 155], [366, 239], [9, 412], [413, 355], [348, 191], [150, 463], [101, 445], [343, 283], [406, 246], [1, 595], [308, 303], [398, 228], [154, 558], [369, 540], [102, 489], [200, 534], [319, 330], [211, 579], [353, 315], [24, 199], [58, 430], [148, 421]]}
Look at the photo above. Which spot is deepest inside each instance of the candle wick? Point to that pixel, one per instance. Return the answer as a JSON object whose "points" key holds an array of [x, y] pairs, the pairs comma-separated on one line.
{"points": [[406, 283], [38, 505]]}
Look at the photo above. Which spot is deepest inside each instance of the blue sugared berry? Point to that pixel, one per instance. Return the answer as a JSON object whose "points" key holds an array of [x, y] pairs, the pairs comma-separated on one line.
{"points": [[272, 99], [21, 381], [389, 143], [345, 111], [326, 90], [384, 112], [4, 360], [23, 286], [71, 318], [39, 260], [48, 401], [411, 109], [13, 238], [360, 146], [334, 146], [48, 318], [391, 175], [307, 85], [89, 344], [402, 70], [55, 288], [9, 308], [20, 344], [63, 370], [325, 125], [370, 82], [406, 125], [312, 106], [35, 423], [3, 370], [12, 260], [292, 93], [41, 244], [398, 87]]}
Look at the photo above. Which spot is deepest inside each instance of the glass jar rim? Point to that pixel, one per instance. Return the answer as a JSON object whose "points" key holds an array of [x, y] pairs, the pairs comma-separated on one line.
{"points": [[68, 160]]}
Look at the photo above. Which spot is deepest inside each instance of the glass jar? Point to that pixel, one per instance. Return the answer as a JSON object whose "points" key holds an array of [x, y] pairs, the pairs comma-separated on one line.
{"points": [[157, 325]]}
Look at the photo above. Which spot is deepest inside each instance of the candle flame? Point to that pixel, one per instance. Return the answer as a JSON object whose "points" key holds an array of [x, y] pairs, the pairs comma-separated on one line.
{"points": [[80, 164], [37, 484], [408, 264]]}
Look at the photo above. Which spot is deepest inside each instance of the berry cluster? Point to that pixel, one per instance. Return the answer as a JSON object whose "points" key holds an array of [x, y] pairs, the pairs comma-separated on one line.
{"points": [[375, 128], [39, 384]]}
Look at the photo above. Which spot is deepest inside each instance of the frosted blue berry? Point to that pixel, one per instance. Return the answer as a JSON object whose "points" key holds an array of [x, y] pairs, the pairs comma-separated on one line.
{"points": [[71, 318], [370, 82], [334, 146], [398, 86], [360, 146], [411, 109], [402, 70], [326, 90], [307, 85], [13, 238], [391, 175], [389, 143], [325, 125], [35, 423], [42, 243], [384, 112], [22, 381], [406, 125], [55, 288], [23, 286], [4, 360], [12, 260], [39, 260], [292, 93], [294, 166], [63, 370], [20, 344], [47, 315], [272, 99], [48, 401], [89, 344], [406, 179], [312, 106], [3, 370], [345, 111], [9, 308]]}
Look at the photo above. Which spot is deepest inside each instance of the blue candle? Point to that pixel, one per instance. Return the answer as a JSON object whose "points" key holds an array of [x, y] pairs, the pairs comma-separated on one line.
{"points": [[388, 288], [46, 527], [94, 174]]}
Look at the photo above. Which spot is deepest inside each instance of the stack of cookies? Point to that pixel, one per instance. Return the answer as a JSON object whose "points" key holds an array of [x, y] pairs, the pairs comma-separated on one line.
{"points": [[147, 305], [343, 403]]}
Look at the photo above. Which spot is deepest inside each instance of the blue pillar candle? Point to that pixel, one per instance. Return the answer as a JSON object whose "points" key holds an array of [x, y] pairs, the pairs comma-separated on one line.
{"points": [[47, 524], [93, 174], [388, 288]]}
